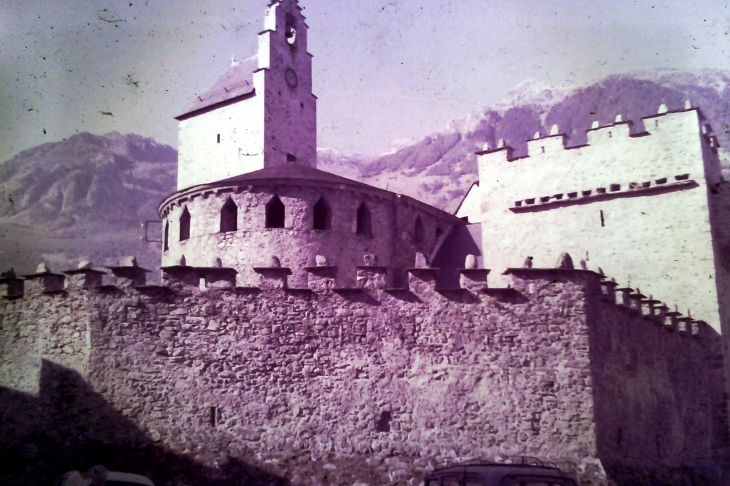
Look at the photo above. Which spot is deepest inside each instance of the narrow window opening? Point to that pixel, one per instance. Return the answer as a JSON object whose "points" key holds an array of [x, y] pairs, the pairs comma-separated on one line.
{"points": [[620, 437], [322, 216], [543, 149], [229, 216], [275, 213], [656, 123], [602, 221], [418, 231], [213, 416], [291, 158], [218, 138], [290, 29], [439, 231], [364, 222], [610, 134], [383, 423], [301, 105], [185, 225], [165, 241]]}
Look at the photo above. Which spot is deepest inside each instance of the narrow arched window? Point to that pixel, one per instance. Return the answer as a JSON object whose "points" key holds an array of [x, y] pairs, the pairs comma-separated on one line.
{"points": [[185, 225], [418, 230], [364, 221], [275, 213], [322, 216], [229, 216], [165, 236]]}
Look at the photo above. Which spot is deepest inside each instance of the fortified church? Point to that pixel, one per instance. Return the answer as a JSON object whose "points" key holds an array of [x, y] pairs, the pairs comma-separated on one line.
{"points": [[311, 329]]}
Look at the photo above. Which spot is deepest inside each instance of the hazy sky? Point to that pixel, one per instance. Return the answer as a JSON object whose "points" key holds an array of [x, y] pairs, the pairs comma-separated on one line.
{"points": [[384, 70]]}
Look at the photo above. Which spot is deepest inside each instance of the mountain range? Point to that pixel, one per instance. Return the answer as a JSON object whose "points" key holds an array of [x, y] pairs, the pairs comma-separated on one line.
{"points": [[85, 197]]}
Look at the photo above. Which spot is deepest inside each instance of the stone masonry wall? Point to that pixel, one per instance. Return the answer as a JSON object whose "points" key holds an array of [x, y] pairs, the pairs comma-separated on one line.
{"points": [[669, 389], [375, 386]]}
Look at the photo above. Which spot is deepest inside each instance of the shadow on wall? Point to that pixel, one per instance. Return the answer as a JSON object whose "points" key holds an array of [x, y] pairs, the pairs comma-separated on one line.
{"points": [[660, 411], [68, 426], [461, 241]]}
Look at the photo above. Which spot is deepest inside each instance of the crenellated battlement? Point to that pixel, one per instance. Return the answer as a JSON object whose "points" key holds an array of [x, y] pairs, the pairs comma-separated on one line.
{"points": [[662, 126], [371, 277]]}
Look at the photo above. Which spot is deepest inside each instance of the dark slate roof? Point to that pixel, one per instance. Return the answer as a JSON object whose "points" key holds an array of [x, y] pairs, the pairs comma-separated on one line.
{"points": [[294, 171], [290, 173], [236, 82]]}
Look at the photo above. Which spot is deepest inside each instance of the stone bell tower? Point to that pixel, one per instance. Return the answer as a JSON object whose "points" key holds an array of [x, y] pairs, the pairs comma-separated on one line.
{"points": [[261, 113]]}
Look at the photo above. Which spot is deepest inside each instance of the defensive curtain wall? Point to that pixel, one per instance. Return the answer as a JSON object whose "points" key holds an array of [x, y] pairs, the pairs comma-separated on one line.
{"points": [[297, 212], [366, 384], [639, 205]]}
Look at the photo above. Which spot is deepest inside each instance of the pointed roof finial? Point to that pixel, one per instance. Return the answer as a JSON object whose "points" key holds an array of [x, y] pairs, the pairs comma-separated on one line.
{"points": [[594, 124], [618, 119], [537, 135], [662, 109], [687, 105], [554, 130]]}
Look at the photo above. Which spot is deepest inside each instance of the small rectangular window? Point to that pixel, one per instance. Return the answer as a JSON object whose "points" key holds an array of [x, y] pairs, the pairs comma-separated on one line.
{"points": [[602, 221], [615, 187], [213, 416], [219, 138]]}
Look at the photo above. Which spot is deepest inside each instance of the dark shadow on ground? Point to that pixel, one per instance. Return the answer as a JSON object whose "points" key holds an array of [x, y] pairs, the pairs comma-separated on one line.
{"points": [[69, 426]]}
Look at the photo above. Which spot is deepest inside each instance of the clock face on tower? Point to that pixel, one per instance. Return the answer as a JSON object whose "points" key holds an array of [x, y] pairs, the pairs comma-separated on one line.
{"points": [[291, 78]]}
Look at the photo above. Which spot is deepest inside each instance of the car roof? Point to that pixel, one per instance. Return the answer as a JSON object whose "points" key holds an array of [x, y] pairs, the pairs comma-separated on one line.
{"points": [[129, 477], [498, 471]]}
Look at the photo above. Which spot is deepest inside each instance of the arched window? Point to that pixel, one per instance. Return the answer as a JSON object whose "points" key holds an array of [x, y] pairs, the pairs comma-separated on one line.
{"points": [[322, 216], [418, 231], [229, 216], [185, 225], [275, 213], [364, 221], [165, 236]]}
